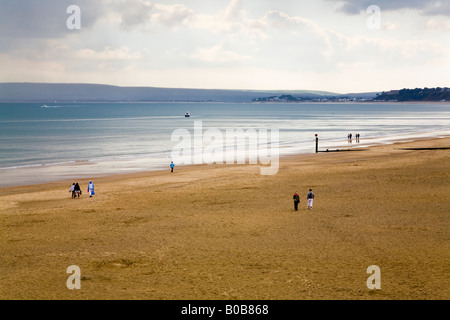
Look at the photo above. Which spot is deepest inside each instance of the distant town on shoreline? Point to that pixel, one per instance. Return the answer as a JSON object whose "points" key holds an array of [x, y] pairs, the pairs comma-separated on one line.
{"points": [[66, 92], [403, 95]]}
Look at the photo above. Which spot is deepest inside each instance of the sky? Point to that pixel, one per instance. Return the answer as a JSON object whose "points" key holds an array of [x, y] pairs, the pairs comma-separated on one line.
{"points": [[342, 46]]}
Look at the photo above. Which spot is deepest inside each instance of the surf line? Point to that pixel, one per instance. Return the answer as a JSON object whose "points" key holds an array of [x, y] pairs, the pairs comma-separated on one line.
{"points": [[198, 310]]}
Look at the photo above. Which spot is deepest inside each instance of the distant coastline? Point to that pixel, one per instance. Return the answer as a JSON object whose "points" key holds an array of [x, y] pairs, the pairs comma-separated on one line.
{"points": [[99, 93], [61, 92]]}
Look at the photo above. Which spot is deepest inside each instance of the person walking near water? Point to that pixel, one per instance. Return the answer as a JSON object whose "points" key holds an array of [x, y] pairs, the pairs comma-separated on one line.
{"points": [[296, 201], [91, 188], [310, 198], [172, 165]]}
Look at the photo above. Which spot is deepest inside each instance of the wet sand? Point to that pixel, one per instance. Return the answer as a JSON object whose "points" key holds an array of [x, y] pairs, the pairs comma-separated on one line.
{"points": [[227, 232]]}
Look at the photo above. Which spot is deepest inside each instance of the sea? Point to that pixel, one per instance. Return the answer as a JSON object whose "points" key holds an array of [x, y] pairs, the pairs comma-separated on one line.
{"points": [[58, 141]]}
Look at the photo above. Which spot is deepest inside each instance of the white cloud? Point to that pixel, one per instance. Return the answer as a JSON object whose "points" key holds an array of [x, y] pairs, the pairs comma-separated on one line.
{"points": [[122, 53], [233, 12], [217, 54], [171, 15], [231, 19], [439, 25], [134, 12]]}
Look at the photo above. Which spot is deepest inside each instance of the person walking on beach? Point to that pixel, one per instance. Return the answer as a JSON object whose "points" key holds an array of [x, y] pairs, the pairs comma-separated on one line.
{"points": [[91, 188], [72, 189], [296, 201], [77, 190], [310, 198], [172, 165]]}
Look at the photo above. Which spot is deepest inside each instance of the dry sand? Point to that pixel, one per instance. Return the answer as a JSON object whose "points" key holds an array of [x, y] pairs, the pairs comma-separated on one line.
{"points": [[227, 232]]}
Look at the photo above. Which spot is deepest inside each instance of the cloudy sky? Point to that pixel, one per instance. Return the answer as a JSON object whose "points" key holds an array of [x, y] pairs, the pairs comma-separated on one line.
{"points": [[332, 45]]}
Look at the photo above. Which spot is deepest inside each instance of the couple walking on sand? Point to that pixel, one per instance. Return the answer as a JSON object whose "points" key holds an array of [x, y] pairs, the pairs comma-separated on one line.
{"points": [[76, 190], [309, 198]]}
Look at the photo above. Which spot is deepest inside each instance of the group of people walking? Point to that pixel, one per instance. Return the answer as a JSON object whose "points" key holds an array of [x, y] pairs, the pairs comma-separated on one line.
{"points": [[309, 199], [75, 189], [350, 136]]}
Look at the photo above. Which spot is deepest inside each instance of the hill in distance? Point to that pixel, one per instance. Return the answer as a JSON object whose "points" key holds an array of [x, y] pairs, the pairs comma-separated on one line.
{"points": [[62, 92]]}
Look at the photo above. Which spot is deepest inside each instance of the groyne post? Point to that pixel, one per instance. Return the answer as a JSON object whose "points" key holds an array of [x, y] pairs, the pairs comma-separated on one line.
{"points": [[317, 143]]}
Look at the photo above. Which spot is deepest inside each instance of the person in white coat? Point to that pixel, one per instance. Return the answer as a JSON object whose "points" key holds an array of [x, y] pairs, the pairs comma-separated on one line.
{"points": [[310, 198]]}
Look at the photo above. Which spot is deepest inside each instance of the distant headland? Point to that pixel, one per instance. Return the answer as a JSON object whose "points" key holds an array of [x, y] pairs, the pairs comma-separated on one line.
{"points": [[403, 95], [417, 94]]}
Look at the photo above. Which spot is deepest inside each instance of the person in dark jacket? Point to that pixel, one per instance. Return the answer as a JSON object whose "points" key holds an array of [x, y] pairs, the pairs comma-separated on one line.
{"points": [[296, 201], [77, 190]]}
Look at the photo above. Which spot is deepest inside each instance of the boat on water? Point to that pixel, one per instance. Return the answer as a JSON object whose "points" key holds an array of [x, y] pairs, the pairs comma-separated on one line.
{"points": [[187, 114]]}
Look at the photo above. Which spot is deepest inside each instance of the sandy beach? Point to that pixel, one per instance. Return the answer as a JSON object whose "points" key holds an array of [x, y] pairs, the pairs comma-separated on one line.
{"points": [[226, 232]]}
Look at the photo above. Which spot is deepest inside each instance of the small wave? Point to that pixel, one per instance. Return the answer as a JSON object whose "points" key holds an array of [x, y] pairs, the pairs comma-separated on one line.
{"points": [[51, 107], [22, 166]]}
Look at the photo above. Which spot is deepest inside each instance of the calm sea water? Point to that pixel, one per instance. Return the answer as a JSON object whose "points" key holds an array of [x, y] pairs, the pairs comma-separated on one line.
{"points": [[92, 139]]}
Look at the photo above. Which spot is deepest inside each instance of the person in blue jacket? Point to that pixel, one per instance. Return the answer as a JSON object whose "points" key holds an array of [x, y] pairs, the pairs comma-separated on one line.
{"points": [[91, 188], [172, 165]]}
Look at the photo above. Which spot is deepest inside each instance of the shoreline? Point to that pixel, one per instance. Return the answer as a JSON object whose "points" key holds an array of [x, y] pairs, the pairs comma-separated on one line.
{"points": [[201, 167], [333, 146]]}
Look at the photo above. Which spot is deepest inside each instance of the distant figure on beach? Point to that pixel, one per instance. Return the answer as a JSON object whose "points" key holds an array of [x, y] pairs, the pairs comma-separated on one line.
{"points": [[91, 188], [296, 201], [72, 190], [77, 190], [349, 137], [310, 198], [357, 137], [172, 165]]}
